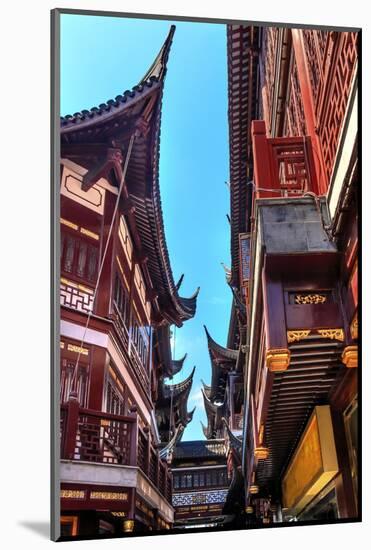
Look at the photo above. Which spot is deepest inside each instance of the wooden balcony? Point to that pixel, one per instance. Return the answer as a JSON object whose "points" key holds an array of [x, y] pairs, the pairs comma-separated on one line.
{"points": [[102, 438], [283, 167]]}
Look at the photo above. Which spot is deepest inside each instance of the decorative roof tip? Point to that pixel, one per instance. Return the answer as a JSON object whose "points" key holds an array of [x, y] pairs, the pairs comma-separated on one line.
{"points": [[158, 67], [181, 386], [217, 349], [177, 365], [181, 360], [196, 293], [228, 272], [234, 440], [209, 403], [179, 283], [206, 386], [167, 451], [204, 429], [191, 413]]}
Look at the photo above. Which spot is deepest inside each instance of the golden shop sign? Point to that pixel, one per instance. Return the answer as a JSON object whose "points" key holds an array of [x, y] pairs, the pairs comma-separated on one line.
{"points": [[314, 463]]}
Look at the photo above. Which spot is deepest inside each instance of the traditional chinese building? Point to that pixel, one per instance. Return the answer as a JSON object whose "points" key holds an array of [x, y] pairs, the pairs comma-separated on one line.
{"points": [[200, 483], [294, 180], [118, 301]]}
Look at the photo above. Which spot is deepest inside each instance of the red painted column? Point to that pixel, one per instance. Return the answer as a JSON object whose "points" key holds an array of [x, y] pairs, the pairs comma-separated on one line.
{"points": [[274, 311], [71, 427], [99, 362], [262, 160]]}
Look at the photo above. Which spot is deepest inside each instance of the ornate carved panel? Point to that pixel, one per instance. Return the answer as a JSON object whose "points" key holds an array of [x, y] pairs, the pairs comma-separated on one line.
{"points": [[76, 296], [338, 64]]}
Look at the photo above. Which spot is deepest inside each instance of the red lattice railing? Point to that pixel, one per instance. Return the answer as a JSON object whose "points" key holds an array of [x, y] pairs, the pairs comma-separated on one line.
{"points": [[283, 167], [104, 440], [153, 466], [93, 436], [142, 452]]}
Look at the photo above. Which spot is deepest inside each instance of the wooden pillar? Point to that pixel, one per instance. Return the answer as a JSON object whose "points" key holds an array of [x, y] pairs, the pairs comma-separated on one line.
{"points": [[262, 160], [134, 437], [277, 354], [343, 483], [71, 427], [99, 361]]}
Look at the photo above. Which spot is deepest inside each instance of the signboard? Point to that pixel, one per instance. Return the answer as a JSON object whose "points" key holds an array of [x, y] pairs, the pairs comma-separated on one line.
{"points": [[314, 463]]}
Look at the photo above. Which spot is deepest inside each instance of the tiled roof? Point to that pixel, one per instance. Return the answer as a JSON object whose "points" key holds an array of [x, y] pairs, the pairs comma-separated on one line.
{"points": [[200, 449]]}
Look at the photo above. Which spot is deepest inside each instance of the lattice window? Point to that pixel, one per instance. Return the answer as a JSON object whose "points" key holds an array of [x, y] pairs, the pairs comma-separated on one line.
{"points": [[269, 48], [153, 467], [292, 167], [295, 124], [79, 257], [315, 45], [140, 338], [332, 108], [66, 372], [114, 394], [142, 451], [121, 300]]}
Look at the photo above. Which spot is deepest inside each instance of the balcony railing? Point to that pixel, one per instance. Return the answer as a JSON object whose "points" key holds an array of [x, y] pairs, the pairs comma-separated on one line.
{"points": [[98, 437], [129, 346], [283, 167]]}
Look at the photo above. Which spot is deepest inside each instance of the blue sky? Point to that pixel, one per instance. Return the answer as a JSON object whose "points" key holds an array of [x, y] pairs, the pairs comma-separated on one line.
{"points": [[103, 56]]}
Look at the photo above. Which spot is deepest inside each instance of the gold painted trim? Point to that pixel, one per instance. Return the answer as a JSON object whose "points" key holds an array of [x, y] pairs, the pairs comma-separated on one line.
{"points": [[76, 285], [77, 349], [278, 360], [304, 299], [354, 327], [254, 489], [350, 357], [69, 224], [261, 453], [89, 233], [72, 493], [128, 525], [296, 335], [106, 495], [332, 333]]}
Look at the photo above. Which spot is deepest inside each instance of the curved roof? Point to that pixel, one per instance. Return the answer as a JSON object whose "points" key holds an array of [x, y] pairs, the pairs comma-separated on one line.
{"points": [[177, 364], [167, 451], [223, 360], [171, 407], [234, 441], [207, 389], [211, 448], [114, 122], [179, 390], [214, 413], [218, 353]]}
